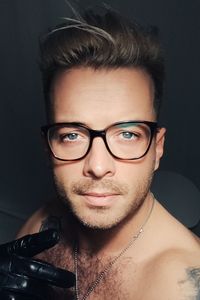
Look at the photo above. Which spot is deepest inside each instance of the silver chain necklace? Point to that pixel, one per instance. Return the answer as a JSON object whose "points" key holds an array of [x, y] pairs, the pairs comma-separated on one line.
{"points": [[109, 266]]}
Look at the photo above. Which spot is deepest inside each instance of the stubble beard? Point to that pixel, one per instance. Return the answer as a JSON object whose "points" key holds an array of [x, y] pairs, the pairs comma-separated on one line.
{"points": [[101, 217]]}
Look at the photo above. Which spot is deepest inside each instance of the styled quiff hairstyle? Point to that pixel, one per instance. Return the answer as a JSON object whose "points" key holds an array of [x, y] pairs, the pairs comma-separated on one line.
{"points": [[106, 41]]}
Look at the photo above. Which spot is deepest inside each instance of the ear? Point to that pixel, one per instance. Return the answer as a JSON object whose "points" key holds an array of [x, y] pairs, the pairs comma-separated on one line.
{"points": [[159, 146]]}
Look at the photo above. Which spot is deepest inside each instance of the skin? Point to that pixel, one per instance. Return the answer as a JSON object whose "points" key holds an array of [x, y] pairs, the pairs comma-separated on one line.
{"points": [[115, 199], [99, 172]]}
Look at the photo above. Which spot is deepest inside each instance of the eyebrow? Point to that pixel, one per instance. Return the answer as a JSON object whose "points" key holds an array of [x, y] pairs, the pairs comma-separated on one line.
{"points": [[73, 123], [124, 125]]}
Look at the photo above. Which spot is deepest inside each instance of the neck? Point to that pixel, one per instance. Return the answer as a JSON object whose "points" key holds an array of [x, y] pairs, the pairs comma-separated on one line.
{"points": [[111, 241]]}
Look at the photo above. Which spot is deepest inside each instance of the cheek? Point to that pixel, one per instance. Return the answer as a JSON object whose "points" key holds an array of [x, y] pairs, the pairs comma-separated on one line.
{"points": [[66, 173], [138, 169], [126, 172]]}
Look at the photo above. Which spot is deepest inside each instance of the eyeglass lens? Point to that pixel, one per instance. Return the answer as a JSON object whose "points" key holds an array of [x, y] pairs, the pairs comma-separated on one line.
{"points": [[129, 140]]}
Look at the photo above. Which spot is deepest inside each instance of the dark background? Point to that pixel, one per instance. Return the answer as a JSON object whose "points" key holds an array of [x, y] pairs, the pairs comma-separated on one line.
{"points": [[25, 180]]}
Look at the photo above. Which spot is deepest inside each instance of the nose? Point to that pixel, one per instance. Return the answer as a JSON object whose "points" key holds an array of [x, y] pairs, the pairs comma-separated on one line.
{"points": [[99, 162]]}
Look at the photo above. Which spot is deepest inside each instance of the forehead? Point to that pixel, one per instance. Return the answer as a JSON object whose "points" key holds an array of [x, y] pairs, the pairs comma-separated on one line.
{"points": [[101, 97]]}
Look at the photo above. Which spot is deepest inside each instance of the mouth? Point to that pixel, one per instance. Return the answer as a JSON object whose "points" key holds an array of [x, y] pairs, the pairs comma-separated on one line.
{"points": [[96, 199]]}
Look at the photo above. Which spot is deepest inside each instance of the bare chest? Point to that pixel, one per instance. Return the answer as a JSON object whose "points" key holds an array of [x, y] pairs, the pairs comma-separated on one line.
{"points": [[96, 279]]}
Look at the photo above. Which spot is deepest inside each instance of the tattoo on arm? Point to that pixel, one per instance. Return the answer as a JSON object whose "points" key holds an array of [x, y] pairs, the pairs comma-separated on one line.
{"points": [[194, 277], [52, 222]]}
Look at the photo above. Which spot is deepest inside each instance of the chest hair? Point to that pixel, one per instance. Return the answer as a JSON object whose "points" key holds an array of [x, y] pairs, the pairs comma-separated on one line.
{"points": [[115, 284]]}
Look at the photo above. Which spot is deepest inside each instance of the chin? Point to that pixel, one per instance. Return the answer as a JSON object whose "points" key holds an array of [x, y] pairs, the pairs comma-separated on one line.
{"points": [[98, 225], [99, 219]]}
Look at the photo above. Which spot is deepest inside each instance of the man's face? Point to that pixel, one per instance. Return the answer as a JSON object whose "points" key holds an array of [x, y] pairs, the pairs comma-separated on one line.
{"points": [[101, 190]]}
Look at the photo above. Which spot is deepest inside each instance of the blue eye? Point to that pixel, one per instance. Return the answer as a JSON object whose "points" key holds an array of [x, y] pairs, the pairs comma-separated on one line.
{"points": [[128, 135], [70, 137]]}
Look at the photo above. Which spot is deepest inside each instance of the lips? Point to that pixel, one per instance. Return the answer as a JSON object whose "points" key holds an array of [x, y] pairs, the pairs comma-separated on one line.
{"points": [[99, 198]]}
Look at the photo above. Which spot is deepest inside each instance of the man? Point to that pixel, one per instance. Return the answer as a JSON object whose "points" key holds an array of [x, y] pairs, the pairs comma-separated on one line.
{"points": [[103, 80]]}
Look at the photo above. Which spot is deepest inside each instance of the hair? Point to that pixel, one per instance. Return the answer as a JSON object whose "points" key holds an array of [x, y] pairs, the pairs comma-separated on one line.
{"points": [[99, 41]]}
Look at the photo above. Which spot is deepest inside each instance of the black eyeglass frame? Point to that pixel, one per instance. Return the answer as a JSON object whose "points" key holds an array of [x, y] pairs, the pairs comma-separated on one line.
{"points": [[97, 133]]}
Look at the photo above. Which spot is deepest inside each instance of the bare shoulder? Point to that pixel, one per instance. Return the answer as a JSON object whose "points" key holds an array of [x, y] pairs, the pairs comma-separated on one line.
{"points": [[173, 269], [175, 274], [48, 215]]}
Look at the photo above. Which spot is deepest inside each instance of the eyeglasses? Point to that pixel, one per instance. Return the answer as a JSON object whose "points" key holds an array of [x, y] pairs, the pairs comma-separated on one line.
{"points": [[128, 140]]}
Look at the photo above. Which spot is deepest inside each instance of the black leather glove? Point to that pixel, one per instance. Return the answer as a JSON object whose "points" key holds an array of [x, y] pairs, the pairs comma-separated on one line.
{"points": [[24, 278]]}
